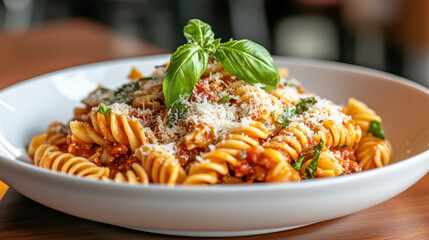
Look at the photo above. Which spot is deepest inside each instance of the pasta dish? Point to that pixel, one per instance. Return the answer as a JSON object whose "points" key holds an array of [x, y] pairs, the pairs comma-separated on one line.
{"points": [[221, 129]]}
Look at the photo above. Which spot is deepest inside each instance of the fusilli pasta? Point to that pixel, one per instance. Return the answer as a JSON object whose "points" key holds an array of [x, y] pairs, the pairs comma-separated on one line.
{"points": [[227, 131]]}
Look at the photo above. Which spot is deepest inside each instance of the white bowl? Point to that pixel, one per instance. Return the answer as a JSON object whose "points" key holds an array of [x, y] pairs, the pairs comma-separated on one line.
{"points": [[27, 108]]}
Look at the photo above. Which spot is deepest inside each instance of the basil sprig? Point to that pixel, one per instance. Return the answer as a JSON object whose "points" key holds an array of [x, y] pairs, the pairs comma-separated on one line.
{"points": [[376, 129], [245, 59], [311, 169]]}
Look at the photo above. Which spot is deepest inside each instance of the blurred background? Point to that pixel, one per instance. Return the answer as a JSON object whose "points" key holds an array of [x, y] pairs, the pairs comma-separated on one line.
{"points": [[37, 36]]}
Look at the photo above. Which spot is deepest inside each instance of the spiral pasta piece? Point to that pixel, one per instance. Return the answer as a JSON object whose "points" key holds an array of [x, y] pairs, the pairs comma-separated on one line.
{"points": [[226, 152], [361, 113], [161, 166], [327, 166], [49, 156], [291, 141], [334, 134], [114, 128], [373, 152], [36, 141], [136, 175], [279, 169], [263, 103], [55, 135]]}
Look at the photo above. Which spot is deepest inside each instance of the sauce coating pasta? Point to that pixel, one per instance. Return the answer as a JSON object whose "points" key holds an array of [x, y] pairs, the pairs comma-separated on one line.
{"points": [[232, 132]]}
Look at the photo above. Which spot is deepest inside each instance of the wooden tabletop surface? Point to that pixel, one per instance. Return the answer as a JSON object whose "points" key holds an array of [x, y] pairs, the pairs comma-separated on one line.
{"points": [[73, 42]]}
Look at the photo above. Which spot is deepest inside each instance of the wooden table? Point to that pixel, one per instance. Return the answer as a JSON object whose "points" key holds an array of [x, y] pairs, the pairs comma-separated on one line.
{"points": [[68, 43]]}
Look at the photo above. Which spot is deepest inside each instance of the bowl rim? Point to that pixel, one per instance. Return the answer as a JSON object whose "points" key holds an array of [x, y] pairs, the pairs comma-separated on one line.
{"points": [[302, 185]]}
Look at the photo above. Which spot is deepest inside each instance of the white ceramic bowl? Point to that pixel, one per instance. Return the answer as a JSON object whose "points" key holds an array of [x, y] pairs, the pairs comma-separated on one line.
{"points": [[27, 108]]}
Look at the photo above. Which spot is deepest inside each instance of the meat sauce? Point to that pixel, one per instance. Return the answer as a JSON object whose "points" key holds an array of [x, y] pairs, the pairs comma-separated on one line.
{"points": [[119, 157], [251, 165]]}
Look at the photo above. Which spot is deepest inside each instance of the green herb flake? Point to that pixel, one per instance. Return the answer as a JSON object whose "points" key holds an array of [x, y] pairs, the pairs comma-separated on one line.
{"points": [[243, 154], [342, 146], [291, 82], [226, 98], [284, 120], [312, 168], [376, 129], [303, 105], [137, 83], [176, 112], [104, 109]]}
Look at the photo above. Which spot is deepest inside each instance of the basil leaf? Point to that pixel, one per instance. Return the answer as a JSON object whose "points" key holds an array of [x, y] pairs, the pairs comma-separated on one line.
{"points": [[249, 62], [226, 98], [187, 65], [376, 129], [216, 43], [102, 108], [312, 168], [199, 32]]}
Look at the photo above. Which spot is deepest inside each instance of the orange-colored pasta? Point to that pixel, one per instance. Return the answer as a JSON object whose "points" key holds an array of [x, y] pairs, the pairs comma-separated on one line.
{"points": [[229, 132]]}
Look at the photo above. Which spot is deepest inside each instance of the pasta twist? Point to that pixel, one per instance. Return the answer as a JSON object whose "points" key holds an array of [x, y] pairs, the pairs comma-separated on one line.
{"points": [[49, 156], [361, 113], [135, 175], [114, 128], [373, 152], [327, 166], [335, 134], [161, 166], [226, 152], [279, 169], [291, 141], [55, 135], [263, 103]]}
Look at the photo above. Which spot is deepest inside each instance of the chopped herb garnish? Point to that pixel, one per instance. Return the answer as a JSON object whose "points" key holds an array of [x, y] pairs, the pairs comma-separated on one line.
{"points": [[243, 154], [226, 98], [311, 169], [176, 112], [291, 82], [303, 105], [137, 82], [376, 129], [342, 146], [124, 94], [160, 66], [104, 109], [284, 118]]}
